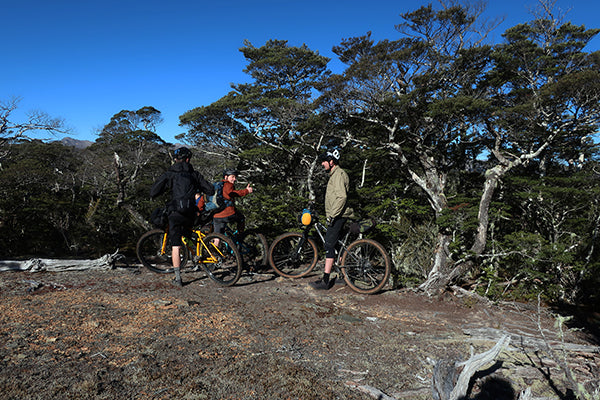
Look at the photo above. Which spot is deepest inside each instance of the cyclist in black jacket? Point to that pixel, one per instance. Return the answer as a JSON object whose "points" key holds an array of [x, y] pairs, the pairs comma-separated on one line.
{"points": [[184, 183]]}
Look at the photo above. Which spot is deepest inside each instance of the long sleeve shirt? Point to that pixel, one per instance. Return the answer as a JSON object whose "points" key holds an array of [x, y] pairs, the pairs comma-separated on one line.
{"points": [[229, 193], [336, 195]]}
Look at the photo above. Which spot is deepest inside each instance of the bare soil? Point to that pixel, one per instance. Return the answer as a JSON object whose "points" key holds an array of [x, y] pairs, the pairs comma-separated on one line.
{"points": [[128, 333]]}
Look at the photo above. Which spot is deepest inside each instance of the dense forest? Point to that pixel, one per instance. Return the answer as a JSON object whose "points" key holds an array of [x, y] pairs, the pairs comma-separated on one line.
{"points": [[478, 160]]}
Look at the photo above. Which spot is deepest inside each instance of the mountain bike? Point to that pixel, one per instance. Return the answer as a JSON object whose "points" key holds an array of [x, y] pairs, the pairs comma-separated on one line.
{"points": [[364, 263], [252, 246], [222, 262]]}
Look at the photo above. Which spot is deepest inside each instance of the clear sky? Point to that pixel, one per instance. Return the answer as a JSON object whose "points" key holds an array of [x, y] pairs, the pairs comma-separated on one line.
{"points": [[85, 61]]}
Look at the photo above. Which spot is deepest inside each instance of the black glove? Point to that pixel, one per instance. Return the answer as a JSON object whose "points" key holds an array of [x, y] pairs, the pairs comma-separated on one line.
{"points": [[329, 221]]}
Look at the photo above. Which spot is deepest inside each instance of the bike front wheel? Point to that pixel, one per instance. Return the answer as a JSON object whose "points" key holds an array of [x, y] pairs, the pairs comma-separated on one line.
{"points": [[254, 249], [220, 258], [292, 255], [154, 252], [366, 266]]}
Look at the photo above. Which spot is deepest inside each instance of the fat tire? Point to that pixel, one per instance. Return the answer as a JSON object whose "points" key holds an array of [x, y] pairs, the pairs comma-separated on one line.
{"points": [[149, 252], [284, 259], [366, 266], [228, 268]]}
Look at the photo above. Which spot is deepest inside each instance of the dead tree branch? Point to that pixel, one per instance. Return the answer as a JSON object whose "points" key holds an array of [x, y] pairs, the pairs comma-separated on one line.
{"points": [[105, 262], [445, 383]]}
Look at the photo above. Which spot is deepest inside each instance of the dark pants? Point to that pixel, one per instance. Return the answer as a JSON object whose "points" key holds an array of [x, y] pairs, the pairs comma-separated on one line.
{"points": [[219, 223], [332, 235]]}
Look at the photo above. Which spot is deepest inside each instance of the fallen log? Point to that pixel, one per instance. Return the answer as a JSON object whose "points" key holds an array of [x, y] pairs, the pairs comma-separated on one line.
{"points": [[105, 262], [451, 379]]}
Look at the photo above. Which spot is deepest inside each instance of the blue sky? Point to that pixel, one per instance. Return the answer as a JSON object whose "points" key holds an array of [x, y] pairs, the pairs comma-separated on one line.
{"points": [[85, 61]]}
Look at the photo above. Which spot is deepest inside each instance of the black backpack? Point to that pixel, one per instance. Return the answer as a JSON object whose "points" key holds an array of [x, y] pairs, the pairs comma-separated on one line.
{"points": [[185, 186]]}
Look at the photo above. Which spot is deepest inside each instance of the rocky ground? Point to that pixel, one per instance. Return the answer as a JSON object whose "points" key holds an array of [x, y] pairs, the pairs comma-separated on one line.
{"points": [[127, 333]]}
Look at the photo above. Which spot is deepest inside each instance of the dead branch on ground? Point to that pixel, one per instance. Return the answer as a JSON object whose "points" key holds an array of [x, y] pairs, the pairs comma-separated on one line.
{"points": [[105, 262], [445, 383]]}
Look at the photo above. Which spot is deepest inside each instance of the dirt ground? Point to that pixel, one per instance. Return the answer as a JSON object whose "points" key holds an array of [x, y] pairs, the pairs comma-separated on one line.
{"points": [[127, 333]]}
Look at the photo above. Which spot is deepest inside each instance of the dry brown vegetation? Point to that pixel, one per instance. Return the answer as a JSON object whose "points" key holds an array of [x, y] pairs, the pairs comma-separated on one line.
{"points": [[127, 333]]}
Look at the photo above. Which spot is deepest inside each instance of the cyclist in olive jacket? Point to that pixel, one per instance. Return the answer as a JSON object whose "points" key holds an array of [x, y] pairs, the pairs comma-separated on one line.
{"points": [[336, 212]]}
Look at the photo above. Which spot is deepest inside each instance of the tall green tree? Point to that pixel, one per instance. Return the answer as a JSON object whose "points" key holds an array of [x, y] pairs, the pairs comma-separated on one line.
{"points": [[422, 95], [125, 147], [265, 122], [126, 127], [545, 105], [269, 127], [441, 101]]}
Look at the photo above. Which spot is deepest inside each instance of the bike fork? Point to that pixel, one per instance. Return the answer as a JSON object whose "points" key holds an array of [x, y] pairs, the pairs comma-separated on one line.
{"points": [[299, 246]]}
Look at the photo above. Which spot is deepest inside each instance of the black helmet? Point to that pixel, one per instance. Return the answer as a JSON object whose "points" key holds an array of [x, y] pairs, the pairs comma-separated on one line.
{"points": [[182, 153], [230, 171], [330, 155]]}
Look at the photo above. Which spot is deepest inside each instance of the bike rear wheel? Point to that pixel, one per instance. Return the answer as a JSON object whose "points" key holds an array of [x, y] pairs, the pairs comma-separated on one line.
{"points": [[366, 266], [292, 255], [154, 252], [254, 249], [222, 262]]}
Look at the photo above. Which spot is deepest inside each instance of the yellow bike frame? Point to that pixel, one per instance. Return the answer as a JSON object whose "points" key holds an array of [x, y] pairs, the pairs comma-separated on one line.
{"points": [[195, 251]]}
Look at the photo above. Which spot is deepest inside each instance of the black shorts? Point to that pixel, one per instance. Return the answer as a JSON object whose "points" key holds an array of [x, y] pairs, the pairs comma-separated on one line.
{"points": [[180, 224], [332, 235]]}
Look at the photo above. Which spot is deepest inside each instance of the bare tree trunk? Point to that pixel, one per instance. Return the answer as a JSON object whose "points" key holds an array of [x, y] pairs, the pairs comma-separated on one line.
{"points": [[120, 180], [433, 182], [595, 236], [310, 181], [483, 216], [364, 173], [443, 275], [438, 276], [311, 173]]}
